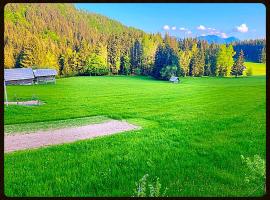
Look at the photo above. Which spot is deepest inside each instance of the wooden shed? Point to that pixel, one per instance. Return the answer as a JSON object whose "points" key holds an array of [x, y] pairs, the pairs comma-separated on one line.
{"points": [[18, 76], [174, 79], [44, 75]]}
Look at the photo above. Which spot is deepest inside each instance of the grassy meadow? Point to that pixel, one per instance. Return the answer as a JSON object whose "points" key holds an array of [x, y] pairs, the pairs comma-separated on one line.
{"points": [[257, 68], [192, 138]]}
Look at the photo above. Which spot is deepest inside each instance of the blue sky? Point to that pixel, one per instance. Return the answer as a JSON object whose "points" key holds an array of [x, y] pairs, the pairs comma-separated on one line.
{"points": [[244, 21]]}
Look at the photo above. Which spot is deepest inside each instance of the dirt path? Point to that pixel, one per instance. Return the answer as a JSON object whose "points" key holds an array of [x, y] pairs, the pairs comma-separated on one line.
{"points": [[24, 103], [64, 135]]}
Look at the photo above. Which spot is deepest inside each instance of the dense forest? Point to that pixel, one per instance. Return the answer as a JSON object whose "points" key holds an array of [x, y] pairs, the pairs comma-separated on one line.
{"points": [[254, 50], [76, 42]]}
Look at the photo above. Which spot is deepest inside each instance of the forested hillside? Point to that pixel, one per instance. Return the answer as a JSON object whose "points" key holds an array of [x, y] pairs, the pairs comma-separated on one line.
{"points": [[58, 35], [254, 50], [77, 42]]}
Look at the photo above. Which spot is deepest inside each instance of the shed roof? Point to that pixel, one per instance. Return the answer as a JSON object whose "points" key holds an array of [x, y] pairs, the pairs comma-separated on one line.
{"points": [[174, 78], [18, 74], [44, 72]]}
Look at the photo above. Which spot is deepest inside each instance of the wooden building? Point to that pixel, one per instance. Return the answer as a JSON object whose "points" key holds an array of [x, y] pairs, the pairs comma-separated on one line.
{"points": [[174, 79], [19, 76], [44, 75]]}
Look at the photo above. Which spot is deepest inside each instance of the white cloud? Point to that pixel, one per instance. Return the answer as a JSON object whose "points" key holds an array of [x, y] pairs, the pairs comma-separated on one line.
{"points": [[211, 29], [223, 35], [166, 27], [242, 28], [188, 32], [214, 32], [174, 28], [201, 27], [203, 34], [183, 29]]}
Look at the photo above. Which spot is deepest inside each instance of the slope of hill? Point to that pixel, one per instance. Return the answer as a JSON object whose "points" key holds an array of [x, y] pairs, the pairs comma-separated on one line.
{"points": [[217, 39], [77, 42], [55, 29]]}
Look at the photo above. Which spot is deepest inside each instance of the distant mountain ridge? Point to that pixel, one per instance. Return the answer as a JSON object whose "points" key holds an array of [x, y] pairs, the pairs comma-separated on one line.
{"points": [[217, 39]]}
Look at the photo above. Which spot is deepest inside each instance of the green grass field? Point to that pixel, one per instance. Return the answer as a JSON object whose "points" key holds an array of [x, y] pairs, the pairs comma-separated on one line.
{"points": [[257, 68], [192, 136]]}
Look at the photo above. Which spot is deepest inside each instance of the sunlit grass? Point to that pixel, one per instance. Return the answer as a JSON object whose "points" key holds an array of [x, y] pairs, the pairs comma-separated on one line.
{"points": [[257, 68], [192, 136]]}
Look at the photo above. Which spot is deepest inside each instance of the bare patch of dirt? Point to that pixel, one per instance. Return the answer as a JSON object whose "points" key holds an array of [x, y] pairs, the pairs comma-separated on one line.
{"points": [[24, 103], [64, 135]]}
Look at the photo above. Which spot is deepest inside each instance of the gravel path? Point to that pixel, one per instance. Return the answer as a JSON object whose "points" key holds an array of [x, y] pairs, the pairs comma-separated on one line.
{"points": [[64, 135], [24, 103]]}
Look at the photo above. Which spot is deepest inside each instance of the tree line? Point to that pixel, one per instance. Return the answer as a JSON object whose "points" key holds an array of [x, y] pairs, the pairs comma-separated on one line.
{"points": [[76, 42], [255, 50]]}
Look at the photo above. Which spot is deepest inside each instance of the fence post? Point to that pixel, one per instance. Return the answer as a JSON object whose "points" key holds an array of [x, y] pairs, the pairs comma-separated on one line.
{"points": [[5, 92]]}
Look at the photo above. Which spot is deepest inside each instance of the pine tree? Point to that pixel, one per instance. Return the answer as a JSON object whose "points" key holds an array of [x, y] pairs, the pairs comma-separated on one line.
{"points": [[125, 65], [165, 56], [238, 66], [85, 50], [67, 66], [26, 59], [263, 56], [113, 54], [194, 59], [200, 63], [184, 61], [252, 49], [136, 56], [74, 62], [61, 62], [211, 60], [159, 62]]}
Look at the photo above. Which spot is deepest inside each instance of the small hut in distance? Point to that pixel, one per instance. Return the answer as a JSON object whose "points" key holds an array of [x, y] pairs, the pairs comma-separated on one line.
{"points": [[44, 75], [174, 79]]}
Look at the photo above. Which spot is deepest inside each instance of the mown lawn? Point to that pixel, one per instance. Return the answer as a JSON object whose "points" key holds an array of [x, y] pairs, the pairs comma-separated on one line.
{"points": [[257, 68], [192, 137]]}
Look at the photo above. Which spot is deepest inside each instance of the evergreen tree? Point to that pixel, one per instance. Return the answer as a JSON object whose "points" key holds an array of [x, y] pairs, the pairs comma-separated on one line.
{"points": [[184, 61], [210, 60], [101, 51], [207, 66], [238, 66], [194, 59], [125, 65], [136, 56], [251, 48], [26, 59], [263, 56], [198, 64], [165, 56], [159, 62], [67, 70], [167, 72], [84, 50], [61, 64], [113, 54]]}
